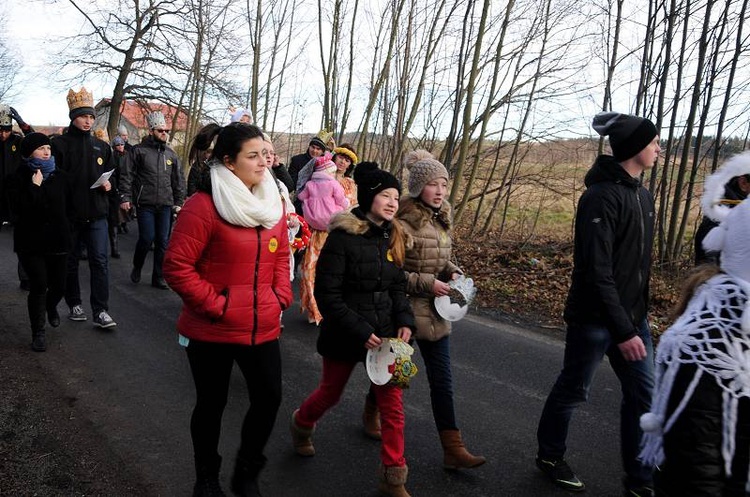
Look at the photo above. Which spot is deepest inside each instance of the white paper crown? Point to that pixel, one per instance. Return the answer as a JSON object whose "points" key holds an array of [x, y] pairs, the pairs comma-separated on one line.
{"points": [[156, 120], [5, 119]]}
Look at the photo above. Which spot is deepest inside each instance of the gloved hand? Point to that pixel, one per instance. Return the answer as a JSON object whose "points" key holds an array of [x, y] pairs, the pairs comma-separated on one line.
{"points": [[15, 115]]}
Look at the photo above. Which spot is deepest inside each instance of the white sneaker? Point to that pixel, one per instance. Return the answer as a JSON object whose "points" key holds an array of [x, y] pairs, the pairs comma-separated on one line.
{"points": [[103, 320], [77, 314]]}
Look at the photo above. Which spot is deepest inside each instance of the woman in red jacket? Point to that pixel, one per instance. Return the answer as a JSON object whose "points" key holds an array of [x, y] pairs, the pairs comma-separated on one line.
{"points": [[228, 259]]}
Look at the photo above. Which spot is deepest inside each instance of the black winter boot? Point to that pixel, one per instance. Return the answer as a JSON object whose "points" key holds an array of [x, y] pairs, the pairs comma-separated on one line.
{"points": [[245, 477], [207, 478], [37, 307]]}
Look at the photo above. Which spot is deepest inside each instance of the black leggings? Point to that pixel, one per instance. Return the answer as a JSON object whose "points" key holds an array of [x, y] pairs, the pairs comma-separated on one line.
{"points": [[46, 275], [211, 365]]}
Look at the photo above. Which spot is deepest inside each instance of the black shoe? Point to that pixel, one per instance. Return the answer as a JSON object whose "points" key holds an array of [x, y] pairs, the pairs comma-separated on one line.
{"points": [[642, 491], [159, 283], [53, 317], [38, 343], [25, 285], [560, 473], [135, 275]]}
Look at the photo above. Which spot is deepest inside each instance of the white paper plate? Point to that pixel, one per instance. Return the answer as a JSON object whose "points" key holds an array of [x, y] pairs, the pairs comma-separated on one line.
{"points": [[450, 311], [377, 362]]}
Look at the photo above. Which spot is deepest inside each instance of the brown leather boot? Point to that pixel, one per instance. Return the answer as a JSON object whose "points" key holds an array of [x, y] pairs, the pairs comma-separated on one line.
{"points": [[371, 420], [392, 480], [301, 437], [455, 455]]}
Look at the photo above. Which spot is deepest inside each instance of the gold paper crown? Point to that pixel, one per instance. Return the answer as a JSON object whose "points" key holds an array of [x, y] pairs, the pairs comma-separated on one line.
{"points": [[326, 137], [83, 98]]}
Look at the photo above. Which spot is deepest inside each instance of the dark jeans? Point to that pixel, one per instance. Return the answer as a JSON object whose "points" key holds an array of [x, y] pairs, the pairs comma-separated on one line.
{"points": [[437, 362], [211, 365], [584, 350], [94, 236], [153, 227], [46, 274]]}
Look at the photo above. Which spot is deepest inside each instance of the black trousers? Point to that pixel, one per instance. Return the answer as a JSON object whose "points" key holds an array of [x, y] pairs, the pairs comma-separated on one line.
{"points": [[46, 275], [211, 365]]}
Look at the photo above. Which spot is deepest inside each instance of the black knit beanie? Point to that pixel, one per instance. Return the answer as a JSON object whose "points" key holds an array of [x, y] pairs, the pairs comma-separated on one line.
{"points": [[371, 180], [31, 142], [628, 135]]}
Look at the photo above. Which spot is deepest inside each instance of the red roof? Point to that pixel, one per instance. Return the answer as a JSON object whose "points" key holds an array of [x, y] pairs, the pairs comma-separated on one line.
{"points": [[135, 113]]}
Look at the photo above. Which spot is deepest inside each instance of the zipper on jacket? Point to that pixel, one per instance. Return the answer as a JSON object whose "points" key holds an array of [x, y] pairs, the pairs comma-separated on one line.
{"points": [[255, 290], [641, 245]]}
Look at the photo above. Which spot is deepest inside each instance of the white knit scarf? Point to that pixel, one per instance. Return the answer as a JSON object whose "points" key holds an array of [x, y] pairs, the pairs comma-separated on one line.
{"points": [[710, 335], [242, 206]]}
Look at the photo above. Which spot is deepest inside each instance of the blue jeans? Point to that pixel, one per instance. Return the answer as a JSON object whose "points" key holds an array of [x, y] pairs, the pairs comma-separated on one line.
{"points": [[437, 362], [584, 350], [154, 222], [95, 238]]}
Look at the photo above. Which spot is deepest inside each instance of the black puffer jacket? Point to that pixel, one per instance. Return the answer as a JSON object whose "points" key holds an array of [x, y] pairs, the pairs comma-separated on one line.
{"points": [[42, 226], [155, 175], [359, 290], [694, 465], [612, 255], [84, 158]]}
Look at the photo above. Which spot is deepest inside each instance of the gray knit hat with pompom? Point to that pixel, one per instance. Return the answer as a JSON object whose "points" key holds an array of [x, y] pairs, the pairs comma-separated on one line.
{"points": [[423, 168]]}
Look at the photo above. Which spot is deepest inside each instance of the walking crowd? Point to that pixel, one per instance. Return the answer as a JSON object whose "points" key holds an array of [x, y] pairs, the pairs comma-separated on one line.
{"points": [[371, 258]]}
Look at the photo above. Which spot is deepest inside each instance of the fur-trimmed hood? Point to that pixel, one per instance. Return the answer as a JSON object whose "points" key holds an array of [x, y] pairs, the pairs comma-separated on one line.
{"points": [[417, 214], [356, 223]]}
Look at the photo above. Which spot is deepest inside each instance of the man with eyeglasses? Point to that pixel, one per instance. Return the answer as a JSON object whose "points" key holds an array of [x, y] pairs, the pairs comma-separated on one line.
{"points": [[155, 183]]}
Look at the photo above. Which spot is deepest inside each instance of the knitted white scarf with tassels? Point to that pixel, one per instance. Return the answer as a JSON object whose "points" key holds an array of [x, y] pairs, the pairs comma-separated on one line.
{"points": [[709, 334], [242, 206]]}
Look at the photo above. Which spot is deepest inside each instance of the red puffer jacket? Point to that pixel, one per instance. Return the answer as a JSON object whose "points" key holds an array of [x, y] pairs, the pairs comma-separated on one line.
{"points": [[233, 281]]}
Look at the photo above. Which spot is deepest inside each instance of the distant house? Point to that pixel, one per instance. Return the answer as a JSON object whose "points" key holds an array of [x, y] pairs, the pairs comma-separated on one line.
{"points": [[133, 117]]}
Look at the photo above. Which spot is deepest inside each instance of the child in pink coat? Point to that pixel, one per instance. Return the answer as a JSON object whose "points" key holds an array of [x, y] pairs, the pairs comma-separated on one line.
{"points": [[323, 196]]}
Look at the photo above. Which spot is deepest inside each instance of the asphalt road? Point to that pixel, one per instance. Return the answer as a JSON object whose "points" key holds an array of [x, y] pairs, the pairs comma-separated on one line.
{"points": [[133, 385]]}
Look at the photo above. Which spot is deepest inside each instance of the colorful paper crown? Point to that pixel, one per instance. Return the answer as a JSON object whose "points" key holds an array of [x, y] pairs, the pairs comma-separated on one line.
{"points": [[391, 363], [5, 119], [83, 98]]}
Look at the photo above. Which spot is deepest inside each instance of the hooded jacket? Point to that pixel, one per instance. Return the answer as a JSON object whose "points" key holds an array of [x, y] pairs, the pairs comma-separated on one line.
{"points": [[233, 280], [84, 158], [322, 197], [358, 288], [154, 175], [428, 252], [612, 251]]}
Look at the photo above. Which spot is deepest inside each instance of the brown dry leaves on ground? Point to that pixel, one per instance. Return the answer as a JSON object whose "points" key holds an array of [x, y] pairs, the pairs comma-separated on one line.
{"points": [[528, 282]]}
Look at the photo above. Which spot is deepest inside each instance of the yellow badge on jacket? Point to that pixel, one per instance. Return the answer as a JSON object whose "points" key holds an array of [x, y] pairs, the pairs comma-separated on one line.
{"points": [[389, 256], [13, 148], [169, 162], [99, 161], [273, 244]]}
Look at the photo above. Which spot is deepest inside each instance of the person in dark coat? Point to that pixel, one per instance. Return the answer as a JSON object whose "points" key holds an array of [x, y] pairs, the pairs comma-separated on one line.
{"points": [[86, 159], [315, 148], [200, 152], [10, 159], [697, 433], [41, 237], [361, 293], [156, 185], [606, 309], [735, 192]]}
